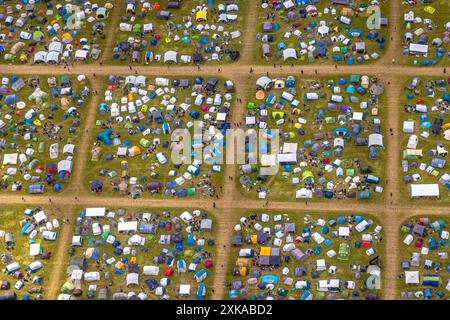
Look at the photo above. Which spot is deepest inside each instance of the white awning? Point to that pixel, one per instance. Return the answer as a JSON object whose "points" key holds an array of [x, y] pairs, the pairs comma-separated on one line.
{"points": [[418, 48], [424, 190], [127, 226], [95, 212]]}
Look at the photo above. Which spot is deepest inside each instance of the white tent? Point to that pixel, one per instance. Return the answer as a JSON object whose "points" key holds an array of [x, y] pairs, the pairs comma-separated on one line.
{"points": [[289, 53], [10, 158], [40, 56], [35, 249], [69, 148], [408, 126], [412, 277], [52, 57], [263, 82], [150, 270], [376, 139], [323, 30], [185, 289], [127, 226], [170, 56], [40, 217], [418, 48], [65, 165], [424, 190], [132, 279], [303, 194]]}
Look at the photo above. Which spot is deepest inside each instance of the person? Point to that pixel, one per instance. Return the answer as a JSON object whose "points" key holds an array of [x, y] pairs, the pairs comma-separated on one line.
{"points": [[214, 204]]}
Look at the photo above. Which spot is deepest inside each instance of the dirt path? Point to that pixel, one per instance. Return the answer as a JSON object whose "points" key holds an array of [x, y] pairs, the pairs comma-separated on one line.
{"points": [[60, 256], [232, 203]]}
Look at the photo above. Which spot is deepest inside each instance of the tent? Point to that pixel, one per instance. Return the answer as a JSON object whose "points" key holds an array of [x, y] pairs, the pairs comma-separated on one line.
{"points": [[289, 53], [412, 277], [170, 57]]}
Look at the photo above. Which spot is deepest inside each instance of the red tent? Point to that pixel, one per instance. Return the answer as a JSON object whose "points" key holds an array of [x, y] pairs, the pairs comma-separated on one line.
{"points": [[169, 272]]}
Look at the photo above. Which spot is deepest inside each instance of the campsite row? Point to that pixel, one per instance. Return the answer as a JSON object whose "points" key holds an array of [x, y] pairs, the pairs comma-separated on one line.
{"points": [[171, 254], [211, 31], [332, 136]]}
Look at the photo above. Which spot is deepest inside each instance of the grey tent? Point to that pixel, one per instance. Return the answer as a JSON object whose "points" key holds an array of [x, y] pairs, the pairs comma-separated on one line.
{"points": [[300, 271], [420, 230], [237, 239], [298, 255], [289, 227]]}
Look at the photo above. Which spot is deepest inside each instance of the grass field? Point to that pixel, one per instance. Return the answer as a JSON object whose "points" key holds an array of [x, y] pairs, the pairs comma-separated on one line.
{"points": [[344, 270], [281, 186]]}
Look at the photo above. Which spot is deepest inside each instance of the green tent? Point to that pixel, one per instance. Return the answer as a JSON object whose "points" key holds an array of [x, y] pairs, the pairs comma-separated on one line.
{"points": [[67, 288]]}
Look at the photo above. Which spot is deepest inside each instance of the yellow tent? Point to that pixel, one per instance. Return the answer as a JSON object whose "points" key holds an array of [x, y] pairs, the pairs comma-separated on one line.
{"points": [[265, 251], [201, 15], [243, 271], [254, 238], [429, 9], [130, 97]]}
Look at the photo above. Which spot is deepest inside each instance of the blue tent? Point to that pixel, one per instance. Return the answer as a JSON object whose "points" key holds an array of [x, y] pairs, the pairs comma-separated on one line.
{"points": [[12, 98]]}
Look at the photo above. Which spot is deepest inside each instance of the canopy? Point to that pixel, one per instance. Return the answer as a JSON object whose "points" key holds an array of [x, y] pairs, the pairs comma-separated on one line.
{"points": [[95, 212]]}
